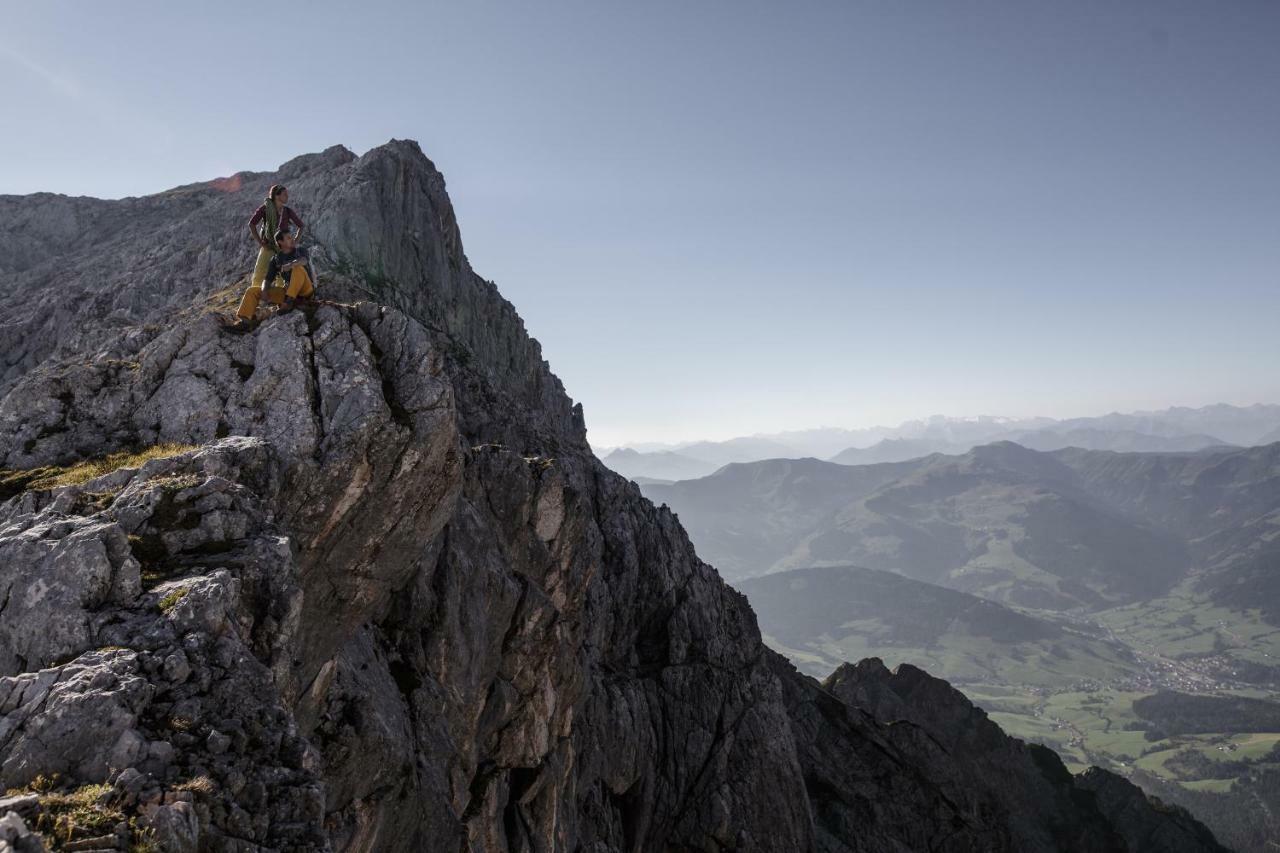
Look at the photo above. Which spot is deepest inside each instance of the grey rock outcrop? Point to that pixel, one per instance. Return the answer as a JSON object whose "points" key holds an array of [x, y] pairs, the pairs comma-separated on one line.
{"points": [[16, 836], [375, 593]]}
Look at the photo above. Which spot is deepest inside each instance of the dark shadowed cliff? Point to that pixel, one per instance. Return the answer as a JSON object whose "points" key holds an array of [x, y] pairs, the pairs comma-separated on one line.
{"points": [[354, 581]]}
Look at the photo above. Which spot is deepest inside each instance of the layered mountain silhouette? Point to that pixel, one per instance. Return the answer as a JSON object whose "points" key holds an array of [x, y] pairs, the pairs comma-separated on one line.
{"points": [[659, 465], [1087, 438], [1168, 431], [1058, 530]]}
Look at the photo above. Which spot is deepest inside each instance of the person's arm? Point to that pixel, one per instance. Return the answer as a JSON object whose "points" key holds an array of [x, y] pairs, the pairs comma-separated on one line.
{"points": [[258, 216], [273, 270], [303, 260], [300, 260], [297, 220]]}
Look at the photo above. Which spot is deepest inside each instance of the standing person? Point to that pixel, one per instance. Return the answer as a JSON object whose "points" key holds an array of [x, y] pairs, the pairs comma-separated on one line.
{"points": [[272, 216]]}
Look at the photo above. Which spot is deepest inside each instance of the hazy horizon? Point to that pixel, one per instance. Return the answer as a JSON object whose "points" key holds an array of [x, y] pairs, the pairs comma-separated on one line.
{"points": [[731, 219], [646, 443]]}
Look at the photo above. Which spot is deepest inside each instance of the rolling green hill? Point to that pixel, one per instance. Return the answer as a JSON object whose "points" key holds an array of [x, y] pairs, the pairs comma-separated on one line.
{"points": [[1225, 505], [824, 616], [747, 517]]}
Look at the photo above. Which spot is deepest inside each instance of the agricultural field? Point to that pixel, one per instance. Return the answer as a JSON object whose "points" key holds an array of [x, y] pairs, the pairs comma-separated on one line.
{"points": [[1100, 727], [1194, 666], [1184, 626], [1081, 700]]}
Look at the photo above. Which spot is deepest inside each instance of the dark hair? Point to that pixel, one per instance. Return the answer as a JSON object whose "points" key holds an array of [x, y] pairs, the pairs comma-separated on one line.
{"points": [[275, 190], [280, 234]]}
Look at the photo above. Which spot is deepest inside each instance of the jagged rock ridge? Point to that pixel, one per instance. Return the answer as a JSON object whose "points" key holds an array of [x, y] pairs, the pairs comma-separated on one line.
{"points": [[379, 595]]}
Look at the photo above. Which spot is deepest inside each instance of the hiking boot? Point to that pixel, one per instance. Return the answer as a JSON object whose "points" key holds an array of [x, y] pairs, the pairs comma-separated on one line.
{"points": [[287, 306], [241, 325]]}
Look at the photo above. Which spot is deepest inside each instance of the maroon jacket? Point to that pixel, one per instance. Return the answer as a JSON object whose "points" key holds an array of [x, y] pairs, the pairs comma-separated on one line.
{"points": [[287, 217]]}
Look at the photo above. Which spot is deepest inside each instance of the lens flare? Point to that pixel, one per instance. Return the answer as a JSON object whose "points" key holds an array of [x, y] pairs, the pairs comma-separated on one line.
{"points": [[227, 185]]}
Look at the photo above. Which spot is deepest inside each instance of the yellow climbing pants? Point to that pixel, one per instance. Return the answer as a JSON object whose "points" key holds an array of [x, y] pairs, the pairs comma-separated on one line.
{"points": [[260, 268], [300, 284], [275, 295]]}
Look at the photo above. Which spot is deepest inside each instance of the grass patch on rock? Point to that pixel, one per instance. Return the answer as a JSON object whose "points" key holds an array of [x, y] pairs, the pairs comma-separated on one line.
{"points": [[223, 300], [53, 476], [171, 598], [86, 817], [70, 814], [78, 812], [202, 786]]}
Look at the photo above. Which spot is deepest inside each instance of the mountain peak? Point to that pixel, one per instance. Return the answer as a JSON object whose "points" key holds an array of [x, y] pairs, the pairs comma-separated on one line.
{"points": [[330, 158], [335, 156]]}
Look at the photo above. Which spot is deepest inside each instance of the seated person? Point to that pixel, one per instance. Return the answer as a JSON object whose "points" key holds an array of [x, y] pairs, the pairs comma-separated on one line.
{"points": [[292, 266]]}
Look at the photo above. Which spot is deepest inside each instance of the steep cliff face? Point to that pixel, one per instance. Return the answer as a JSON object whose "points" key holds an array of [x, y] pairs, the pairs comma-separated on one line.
{"points": [[362, 585]]}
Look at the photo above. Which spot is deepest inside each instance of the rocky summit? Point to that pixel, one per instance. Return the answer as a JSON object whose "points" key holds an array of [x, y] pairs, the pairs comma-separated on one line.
{"points": [[353, 580]]}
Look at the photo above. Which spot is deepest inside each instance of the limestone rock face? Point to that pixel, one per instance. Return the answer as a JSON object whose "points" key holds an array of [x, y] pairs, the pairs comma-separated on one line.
{"points": [[377, 594]]}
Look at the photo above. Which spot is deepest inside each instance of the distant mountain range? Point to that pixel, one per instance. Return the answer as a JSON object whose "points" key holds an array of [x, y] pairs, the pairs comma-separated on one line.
{"points": [[657, 465], [1054, 530], [1169, 430], [1088, 438]]}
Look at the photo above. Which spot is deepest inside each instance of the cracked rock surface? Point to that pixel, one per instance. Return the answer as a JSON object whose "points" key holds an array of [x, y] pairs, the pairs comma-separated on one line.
{"points": [[379, 595]]}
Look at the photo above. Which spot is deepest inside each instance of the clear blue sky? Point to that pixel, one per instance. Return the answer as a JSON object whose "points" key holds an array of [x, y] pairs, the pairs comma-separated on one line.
{"points": [[731, 217]]}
